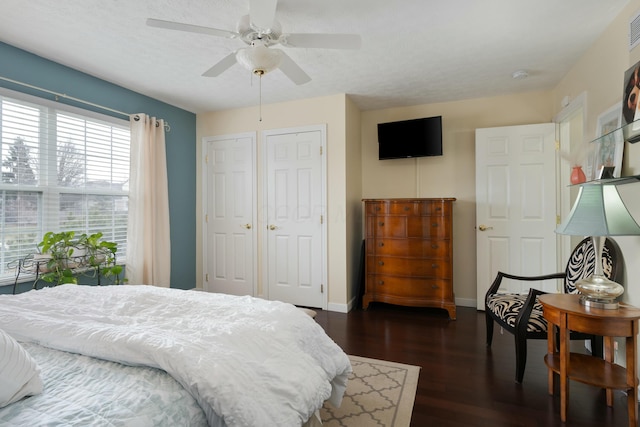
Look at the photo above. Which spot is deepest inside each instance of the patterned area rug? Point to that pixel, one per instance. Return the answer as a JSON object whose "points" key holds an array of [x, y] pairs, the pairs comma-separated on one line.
{"points": [[379, 393]]}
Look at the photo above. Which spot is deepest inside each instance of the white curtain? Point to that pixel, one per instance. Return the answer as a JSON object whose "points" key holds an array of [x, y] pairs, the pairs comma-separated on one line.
{"points": [[148, 241]]}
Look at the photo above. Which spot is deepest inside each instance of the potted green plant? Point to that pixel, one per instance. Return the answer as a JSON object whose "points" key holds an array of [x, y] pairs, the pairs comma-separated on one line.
{"points": [[61, 253]]}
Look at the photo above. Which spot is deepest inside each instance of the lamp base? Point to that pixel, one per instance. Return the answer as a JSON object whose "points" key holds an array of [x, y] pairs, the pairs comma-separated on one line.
{"points": [[599, 292], [603, 304]]}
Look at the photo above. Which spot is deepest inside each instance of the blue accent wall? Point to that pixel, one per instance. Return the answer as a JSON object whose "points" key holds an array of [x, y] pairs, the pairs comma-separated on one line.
{"points": [[19, 65]]}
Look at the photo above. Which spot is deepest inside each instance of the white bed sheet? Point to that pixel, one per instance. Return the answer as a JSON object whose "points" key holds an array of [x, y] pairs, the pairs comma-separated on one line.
{"points": [[85, 391], [247, 361]]}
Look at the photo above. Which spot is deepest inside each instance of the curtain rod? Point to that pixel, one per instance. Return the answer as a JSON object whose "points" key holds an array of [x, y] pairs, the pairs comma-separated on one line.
{"points": [[167, 127]]}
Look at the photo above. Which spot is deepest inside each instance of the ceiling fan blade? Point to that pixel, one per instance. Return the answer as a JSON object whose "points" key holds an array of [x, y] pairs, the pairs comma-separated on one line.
{"points": [[223, 65], [293, 71], [262, 13], [170, 25], [326, 41]]}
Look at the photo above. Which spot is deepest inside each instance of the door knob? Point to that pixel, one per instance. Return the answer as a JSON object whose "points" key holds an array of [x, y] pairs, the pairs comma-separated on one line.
{"points": [[483, 227], [272, 227], [247, 226]]}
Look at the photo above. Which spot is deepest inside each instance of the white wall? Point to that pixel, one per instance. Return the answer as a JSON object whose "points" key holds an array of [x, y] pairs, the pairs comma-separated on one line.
{"points": [[600, 73]]}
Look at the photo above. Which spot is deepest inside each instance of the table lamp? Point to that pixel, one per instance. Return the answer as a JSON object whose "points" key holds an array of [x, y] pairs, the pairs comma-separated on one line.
{"points": [[600, 212]]}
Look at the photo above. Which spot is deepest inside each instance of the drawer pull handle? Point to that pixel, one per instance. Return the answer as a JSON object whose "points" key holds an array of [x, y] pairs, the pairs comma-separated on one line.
{"points": [[438, 209], [434, 286], [434, 265], [381, 223], [381, 282], [435, 224], [380, 262], [381, 244], [377, 208], [406, 208], [434, 246]]}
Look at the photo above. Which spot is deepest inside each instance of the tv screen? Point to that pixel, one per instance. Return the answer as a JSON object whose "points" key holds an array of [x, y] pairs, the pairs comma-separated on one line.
{"points": [[410, 138]]}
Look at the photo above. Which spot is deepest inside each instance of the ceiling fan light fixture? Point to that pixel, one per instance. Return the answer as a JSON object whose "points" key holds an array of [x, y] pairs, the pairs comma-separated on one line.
{"points": [[258, 58]]}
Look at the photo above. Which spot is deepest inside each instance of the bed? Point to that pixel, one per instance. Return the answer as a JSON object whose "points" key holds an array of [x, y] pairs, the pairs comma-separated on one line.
{"points": [[142, 355]]}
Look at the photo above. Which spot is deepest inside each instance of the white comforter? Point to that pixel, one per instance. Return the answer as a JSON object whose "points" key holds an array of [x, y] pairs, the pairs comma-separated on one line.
{"points": [[248, 362]]}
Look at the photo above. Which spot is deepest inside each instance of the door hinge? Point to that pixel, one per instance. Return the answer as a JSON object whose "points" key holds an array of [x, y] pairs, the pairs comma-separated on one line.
{"points": [[206, 218], [321, 150], [206, 277], [557, 145], [557, 219], [206, 159], [321, 219], [321, 288]]}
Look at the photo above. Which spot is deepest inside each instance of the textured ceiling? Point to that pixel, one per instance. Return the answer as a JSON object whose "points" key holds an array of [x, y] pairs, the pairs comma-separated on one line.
{"points": [[413, 51]]}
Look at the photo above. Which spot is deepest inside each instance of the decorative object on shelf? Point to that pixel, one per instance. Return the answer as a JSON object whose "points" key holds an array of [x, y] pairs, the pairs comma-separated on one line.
{"points": [[605, 172], [577, 175], [580, 159], [609, 147], [599, 212]]}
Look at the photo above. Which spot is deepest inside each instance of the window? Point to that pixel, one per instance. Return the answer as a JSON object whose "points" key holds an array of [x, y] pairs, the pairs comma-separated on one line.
{"points": [[63, 169]]}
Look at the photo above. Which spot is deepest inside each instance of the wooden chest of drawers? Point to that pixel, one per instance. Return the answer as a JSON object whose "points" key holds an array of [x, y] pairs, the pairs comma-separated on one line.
{"points": [[409, 252]]}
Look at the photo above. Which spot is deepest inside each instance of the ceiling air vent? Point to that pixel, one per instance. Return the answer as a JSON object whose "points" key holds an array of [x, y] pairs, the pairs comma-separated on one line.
{"points": [[634, 30]]}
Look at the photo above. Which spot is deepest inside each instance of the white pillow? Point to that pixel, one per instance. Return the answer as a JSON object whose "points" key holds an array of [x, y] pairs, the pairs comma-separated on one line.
{"points": [[19, 373]]}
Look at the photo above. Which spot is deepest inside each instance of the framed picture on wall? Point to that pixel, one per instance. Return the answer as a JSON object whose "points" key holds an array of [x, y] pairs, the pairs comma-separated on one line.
{"points": [[631, 95], [631, 104], [609, 145]]}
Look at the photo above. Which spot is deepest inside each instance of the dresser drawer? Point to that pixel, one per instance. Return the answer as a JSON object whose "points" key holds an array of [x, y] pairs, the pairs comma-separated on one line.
{"points": [[377, 208], [435, 208], [416, 267], [419, 248], [387, 226], [409, 287], [435, 227], [405, 208], [416, 207], [410, 226]]}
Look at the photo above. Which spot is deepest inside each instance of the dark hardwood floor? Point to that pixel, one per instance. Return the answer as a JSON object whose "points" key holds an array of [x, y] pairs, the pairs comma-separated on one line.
{"points": [[462, 382]]}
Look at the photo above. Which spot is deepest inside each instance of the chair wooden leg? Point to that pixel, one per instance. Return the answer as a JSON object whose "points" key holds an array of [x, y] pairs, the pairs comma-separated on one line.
{"points": [[489, 321], [521, 356]]}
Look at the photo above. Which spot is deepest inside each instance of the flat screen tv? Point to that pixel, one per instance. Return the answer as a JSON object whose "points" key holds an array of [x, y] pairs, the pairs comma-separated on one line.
{"points": [[410, 138]]}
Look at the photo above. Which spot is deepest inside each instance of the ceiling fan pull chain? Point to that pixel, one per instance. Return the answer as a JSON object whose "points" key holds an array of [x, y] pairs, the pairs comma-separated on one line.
{"points": [[260, 90]]}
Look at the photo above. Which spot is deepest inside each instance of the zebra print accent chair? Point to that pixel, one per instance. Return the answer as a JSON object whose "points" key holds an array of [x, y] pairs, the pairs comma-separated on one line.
{"points": [[521, 314]]}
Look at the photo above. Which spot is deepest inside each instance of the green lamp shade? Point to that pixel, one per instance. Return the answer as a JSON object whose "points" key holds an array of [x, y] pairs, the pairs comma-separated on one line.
{"points": [[599, 211]]}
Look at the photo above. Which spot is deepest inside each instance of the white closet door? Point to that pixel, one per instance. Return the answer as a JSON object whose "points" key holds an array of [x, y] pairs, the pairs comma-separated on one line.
{"points": [[230, 214], [295, 225]]}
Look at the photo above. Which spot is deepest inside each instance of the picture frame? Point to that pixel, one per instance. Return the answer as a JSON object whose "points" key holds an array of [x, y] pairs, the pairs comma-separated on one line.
{"points": [[606, 172], [631, 94], [609, 144]]}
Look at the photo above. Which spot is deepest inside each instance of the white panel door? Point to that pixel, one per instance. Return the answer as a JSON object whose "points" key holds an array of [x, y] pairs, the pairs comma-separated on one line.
{"points": [[229, 213], [515, 206], [294, 193]]}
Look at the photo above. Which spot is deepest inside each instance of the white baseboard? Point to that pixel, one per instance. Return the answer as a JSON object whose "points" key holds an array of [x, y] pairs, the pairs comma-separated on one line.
{"points": [[340, 308]]}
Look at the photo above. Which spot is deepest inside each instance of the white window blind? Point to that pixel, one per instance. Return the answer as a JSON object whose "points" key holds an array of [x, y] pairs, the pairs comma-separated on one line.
{"points": [[62, 170]]}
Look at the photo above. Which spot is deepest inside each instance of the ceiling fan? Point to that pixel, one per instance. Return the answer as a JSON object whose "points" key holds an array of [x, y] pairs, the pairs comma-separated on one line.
{"points": [[260, 30]]}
